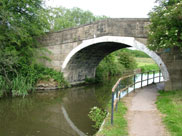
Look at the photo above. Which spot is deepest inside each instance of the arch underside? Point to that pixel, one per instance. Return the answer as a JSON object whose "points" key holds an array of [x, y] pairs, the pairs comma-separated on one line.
{"points": [[83, 64], [82, 61]]}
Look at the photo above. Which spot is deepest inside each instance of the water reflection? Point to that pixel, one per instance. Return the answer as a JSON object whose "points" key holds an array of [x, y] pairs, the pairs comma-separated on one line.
{"points": [[56, 113]]}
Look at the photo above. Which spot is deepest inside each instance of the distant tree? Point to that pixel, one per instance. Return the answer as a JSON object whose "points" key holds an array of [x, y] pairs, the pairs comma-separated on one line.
{"points": [[127, 60], [134, 53], [62, 18], [165, 29]]}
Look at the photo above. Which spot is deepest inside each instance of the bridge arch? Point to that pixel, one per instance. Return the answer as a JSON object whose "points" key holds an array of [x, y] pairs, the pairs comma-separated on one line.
{"points": [[82, 61]]}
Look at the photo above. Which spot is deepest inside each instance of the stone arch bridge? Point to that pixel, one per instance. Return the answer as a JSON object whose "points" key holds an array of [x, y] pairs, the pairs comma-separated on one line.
{"points": [[77, 51]]}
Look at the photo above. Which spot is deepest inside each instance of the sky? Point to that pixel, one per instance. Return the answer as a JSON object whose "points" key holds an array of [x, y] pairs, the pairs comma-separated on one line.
{"points": [[110, 8]]}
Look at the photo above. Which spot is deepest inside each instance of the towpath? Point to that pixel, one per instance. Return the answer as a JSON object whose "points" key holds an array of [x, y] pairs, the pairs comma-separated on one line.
{"points": [[143, 117]]}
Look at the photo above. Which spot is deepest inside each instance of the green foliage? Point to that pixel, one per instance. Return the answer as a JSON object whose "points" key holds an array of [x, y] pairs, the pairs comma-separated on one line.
{"points": [[20, 86], [120, 124], [170, 104], [97, 115], [45, 73], [165, 29], [21, 22], [26, 79], [146, 68], [127, 60], [115, 63], [109, 66], [2, 86], [134, 53], [62, 18]]}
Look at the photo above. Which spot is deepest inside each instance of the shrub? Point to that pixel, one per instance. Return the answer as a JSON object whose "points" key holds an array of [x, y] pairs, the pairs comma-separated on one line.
{"points": [[97, 115], [147, 68]]}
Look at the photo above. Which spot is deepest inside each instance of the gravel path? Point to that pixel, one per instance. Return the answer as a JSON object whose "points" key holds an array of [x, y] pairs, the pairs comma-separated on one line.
{"points": [[143, 117]]}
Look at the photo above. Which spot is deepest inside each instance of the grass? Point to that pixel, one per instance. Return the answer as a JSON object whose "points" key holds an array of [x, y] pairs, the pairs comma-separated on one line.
{"points": [[144, 61], [146, 64], [170, 104], [120, 124]]}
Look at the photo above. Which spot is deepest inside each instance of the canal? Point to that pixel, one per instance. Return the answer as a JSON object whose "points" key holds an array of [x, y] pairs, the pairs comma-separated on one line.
{"points": [[54, 113], [61, 112]]}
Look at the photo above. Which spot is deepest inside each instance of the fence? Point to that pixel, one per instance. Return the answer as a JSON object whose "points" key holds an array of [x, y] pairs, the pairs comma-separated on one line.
{"points": [[125, 82]]}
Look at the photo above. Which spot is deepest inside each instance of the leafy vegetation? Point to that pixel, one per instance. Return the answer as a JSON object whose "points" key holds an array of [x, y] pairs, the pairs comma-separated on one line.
{"points": [[127, 60], [146, 68], [136, 53], [170, 104], [165, 29], [62, 18], [21, 22], [97, 115], [115, 64], [109, 66], [120, 124]]}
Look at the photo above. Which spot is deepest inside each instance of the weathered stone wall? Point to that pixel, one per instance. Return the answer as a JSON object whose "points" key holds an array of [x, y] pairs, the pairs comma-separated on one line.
{"points": [[173, 60], [128, 27]]}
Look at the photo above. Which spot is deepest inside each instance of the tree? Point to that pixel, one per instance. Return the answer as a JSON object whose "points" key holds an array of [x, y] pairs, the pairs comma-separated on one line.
{"points": [[62, 18], [21, 22], [165, 29], [127, 60]]}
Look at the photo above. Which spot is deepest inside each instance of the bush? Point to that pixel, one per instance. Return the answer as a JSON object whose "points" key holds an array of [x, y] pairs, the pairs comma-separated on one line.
{"points": [[147, 68], [26, 79], [115, 64], [97, 115], [127, 61], [109, 66]]}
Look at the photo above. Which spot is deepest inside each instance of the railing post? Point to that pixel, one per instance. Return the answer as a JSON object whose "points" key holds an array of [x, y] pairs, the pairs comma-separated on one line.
{"points": [[127, 90], [141, 79], [153, 77], [117, 98], [134, 82], [159, 76], [112, 108], [119, 89], [147, 78]]}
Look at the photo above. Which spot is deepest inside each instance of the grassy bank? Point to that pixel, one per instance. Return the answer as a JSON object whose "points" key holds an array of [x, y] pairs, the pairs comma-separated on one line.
{"points": [[120, 124], [146, 64], [26, 79], [144, 61], [170, 104]]}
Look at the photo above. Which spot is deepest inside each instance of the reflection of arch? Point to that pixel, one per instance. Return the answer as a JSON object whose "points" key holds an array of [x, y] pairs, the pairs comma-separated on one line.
{"points": [[118, 43], [79, 132]]}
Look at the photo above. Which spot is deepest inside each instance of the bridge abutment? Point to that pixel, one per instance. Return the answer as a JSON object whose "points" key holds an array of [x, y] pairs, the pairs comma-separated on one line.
{"points": [[173, 60]]}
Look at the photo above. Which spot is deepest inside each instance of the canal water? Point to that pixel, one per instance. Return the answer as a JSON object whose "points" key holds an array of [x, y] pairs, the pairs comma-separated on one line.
{"points": [[57, 113], [54, 113]]}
